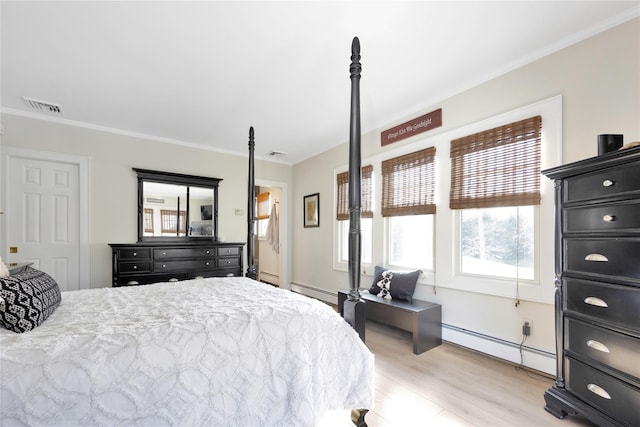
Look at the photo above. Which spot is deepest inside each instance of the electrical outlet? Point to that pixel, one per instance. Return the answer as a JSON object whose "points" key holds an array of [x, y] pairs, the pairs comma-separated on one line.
{"points": [[527, 327]]}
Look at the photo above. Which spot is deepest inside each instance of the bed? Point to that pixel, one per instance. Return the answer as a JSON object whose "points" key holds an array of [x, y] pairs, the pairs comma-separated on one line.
{"points": [[227, 351]]}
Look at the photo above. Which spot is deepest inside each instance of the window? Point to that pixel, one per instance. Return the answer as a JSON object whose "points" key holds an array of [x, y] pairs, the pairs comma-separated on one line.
{"points": [[498, 242], [168, 219], [495, 182], [366, 214], [263, 202], [148, 221], [408, 201]]}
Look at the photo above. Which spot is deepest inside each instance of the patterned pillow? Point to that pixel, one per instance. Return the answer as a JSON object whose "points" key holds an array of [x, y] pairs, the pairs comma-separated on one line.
{"points": [[27, 299], [403, 284]]}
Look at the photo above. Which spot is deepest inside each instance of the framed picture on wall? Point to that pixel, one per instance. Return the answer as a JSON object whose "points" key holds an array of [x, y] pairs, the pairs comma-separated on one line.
{"points": [[312, 210]]}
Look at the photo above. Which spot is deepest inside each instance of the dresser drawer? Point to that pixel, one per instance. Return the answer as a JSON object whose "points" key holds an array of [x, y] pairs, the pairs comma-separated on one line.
{"points": [[134, 267], [183, 265], [167, 253], [602, 218], [610, 182], [619, 351], [610, 303], [229, 251], [228, 262], [133, 254], [612, 396], [608, 257]]}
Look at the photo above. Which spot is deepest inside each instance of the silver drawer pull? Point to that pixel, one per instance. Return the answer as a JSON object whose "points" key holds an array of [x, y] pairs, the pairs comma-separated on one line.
{"points": [[607, 183], [164, 253], [228, 262], [135, 254], [132, 282], [135, 267], [596, 258], [609, 218], [164, 265], [173, 279], [207, 252], [207, 263], [597, 345], [596, 389], [596, 301]]}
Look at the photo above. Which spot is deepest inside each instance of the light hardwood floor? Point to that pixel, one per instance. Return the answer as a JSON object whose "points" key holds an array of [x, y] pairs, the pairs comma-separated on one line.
{"points": [[453, 386]]}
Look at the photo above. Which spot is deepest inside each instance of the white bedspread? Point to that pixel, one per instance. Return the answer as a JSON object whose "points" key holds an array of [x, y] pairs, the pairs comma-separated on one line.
{"points": [[208, 352]]}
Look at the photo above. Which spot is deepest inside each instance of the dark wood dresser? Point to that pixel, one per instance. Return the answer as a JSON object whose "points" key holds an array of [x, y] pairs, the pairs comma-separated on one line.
{"points": [[150, 262], [597, 297]]}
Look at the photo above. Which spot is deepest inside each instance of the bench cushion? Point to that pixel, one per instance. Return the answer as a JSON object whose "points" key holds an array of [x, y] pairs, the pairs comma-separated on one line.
{"points": [[403, 283]]}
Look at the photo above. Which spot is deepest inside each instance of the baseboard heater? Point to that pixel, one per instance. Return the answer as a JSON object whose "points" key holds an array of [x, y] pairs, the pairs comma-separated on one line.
{"points": [[533, 358]]}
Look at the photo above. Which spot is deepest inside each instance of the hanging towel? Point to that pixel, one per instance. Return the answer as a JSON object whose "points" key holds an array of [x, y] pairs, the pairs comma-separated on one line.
{"points": [[273, 230]]}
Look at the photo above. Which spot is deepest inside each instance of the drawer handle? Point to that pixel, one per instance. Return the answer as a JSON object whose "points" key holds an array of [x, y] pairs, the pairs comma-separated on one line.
{"points": [[207, 252], [135, 267], [596, 258], [609, 218], [607, 183], [164, 253], [132, 282], [135, 254], [597, 345], [596, 389], [596, 301], [207, 263], [228, 262], [164, 266], [173, 279]]}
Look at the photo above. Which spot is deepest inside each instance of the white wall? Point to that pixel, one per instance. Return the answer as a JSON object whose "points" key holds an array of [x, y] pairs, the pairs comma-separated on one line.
{"points": [[113, 184], [599, 82]]}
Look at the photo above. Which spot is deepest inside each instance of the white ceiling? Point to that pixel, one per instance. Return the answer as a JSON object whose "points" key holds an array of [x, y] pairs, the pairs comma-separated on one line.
{"points": [[200, 73]]}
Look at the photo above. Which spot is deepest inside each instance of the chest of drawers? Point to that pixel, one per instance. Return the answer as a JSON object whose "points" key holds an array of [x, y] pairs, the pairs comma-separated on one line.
{"points": [[144, 263], [597, 297]]}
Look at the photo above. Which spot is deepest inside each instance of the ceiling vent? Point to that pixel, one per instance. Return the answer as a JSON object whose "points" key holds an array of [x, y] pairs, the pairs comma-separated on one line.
{"points": [[43, 105], [277, 153]]}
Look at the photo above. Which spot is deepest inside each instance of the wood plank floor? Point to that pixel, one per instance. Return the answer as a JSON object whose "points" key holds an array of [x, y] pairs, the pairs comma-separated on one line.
{"points": [[453, 386]]}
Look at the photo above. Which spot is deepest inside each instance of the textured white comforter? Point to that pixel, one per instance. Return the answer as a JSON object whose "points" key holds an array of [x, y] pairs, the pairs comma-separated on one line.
{"points": [[207, 352]]}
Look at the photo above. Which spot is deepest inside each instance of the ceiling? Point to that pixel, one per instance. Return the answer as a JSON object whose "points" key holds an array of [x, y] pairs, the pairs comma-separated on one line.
{"points": [[200, 73]]}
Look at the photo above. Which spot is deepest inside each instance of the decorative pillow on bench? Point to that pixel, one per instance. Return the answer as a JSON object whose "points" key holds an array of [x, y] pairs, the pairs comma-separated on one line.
{"points": [[402, 286], [27, 299]]}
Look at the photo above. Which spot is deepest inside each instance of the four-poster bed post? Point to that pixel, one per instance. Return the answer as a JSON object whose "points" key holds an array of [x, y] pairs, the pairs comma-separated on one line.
{"points": [[251, 196], [354, 306]]}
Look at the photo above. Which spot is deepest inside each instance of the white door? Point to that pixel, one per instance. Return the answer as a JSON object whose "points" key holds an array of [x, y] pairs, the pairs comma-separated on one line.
{"points": [[43, 214]]}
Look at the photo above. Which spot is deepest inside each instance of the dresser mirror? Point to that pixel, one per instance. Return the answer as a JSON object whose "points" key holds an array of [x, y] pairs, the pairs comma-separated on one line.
{"points": [[176, 207]]}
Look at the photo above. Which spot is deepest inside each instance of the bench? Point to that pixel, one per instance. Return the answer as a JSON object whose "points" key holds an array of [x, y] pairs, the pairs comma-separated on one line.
{"points": [[422, 318]]}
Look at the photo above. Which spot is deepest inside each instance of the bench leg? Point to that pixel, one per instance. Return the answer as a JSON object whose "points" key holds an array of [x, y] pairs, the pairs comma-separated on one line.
{"points": [[427, 330]]}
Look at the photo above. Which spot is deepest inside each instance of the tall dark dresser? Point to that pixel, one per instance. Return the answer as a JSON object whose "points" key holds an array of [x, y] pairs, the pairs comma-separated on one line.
{"points": [[597, 294]]}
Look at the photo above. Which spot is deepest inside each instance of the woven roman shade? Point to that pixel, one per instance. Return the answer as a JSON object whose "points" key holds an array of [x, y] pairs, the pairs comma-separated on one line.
{"points": [[366, 194], [497, 167], [408, 184], [263, 205]]}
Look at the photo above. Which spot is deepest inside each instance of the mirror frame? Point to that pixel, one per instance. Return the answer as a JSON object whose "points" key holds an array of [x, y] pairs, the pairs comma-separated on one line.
{"points": [[146, 175]]}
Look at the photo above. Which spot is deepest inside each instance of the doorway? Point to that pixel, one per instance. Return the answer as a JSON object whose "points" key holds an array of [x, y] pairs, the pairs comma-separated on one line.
{"points": [[271, 247], [46, 214]]}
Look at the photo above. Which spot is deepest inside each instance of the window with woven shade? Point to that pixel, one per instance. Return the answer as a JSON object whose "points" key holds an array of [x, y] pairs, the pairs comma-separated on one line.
{"points": [[366, 194], [169, 221], [408, 184], [263, 202], [497, 167], [148, 221]]}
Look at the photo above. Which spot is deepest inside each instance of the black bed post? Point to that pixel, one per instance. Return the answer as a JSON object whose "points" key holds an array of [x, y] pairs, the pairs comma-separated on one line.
{"points": [[251, 269], [354, 306]]}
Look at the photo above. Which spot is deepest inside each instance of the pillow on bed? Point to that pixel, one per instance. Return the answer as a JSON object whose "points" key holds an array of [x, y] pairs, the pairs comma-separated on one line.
{"points": [[27, 299], [4, 271], [403, 284]]}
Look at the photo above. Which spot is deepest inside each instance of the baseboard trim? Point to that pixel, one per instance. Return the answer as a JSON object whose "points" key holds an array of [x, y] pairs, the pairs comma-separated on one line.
{"points": [[313, 292]]}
